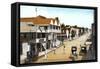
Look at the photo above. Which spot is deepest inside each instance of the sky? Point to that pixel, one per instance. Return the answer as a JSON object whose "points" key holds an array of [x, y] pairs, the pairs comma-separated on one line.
{"points": [[68, 16]]}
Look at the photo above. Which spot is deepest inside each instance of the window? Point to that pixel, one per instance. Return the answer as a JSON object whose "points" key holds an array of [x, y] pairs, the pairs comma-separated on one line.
{"points": [[50, 26], [45, 27], [43, 35], [39, 35], [56, 27], [53, 27]]}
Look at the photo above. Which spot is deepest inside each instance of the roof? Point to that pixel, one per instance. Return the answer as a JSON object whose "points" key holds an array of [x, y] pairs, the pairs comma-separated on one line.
{"points": [[40, 20]]}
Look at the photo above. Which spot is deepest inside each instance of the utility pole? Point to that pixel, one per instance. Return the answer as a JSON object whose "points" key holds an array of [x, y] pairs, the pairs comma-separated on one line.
{"points": [[36, 11], [43, 44], [36, 31]]}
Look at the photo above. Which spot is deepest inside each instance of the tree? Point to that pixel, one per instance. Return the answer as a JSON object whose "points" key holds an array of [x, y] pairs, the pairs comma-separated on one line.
{"points": [[83, 30], [72, 34], [63, 28], [75, 26], [57, 19], [67, 25]]}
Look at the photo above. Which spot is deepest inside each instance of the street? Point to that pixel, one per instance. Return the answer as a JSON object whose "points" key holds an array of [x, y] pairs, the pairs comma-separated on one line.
{"points": [[64, 53]]}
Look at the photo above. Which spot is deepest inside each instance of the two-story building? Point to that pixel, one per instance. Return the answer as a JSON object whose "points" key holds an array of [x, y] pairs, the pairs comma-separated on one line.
{"points": [[39, 32]]}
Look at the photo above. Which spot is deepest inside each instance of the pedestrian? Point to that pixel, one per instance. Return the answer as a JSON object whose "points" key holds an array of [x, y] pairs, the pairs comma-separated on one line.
{"points": [[63, 48], [54, 47], [54, 51]]}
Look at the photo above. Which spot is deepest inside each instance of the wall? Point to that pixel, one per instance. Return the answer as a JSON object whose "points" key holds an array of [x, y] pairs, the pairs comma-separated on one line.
{"points": [[5, 36]]}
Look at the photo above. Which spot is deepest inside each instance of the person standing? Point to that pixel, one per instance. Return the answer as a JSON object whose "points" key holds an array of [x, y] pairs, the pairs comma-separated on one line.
{"points": [[63, 48]]}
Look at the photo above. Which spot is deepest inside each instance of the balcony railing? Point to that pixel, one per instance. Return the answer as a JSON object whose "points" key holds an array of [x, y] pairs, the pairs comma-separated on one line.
{"points": [[53, 30], [38, 40]]}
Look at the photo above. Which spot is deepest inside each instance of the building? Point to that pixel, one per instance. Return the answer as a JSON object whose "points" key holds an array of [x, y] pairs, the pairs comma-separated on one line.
{"points": [[40, 33], [70, 32], [93, 26]]}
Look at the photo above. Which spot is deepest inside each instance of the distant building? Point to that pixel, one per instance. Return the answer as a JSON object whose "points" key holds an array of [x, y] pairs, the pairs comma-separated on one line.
{"points": [[70, 31], [93, 29], [93, 26]]}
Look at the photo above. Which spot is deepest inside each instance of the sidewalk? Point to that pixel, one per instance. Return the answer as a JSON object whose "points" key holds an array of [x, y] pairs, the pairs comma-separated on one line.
{"points": [[48, 50]]}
